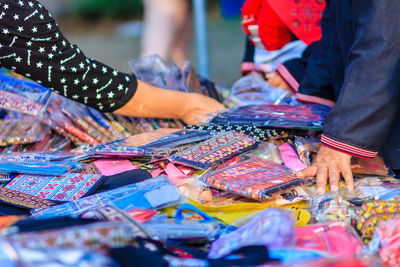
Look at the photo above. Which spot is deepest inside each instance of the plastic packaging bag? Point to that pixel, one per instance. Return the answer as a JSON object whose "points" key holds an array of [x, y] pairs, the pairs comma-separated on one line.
{"points": [[154, 143], [191, 232], [252, 89], [12, 255], [309, 117], [333, 207], [22, 132], [272, 227], [155, 71], [267, 151], [154, 193], [23, 95]]}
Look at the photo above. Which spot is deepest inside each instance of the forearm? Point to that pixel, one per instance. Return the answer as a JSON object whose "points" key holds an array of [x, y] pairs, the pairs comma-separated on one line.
{"points": [[153, 102]]}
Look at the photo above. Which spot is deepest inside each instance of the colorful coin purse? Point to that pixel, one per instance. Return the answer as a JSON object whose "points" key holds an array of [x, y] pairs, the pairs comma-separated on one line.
{"points": [[215, 150], [69, 187], [96, 236], [254, 178], [374, 212]]}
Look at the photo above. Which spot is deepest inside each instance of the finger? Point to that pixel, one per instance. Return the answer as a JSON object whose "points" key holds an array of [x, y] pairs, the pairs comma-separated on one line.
{"points": [[334, 177], [322, 178], [348, 176], [308, 172]]}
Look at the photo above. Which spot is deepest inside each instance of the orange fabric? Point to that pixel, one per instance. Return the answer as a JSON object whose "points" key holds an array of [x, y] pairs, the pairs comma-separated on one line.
{"points": [[7, 221]]}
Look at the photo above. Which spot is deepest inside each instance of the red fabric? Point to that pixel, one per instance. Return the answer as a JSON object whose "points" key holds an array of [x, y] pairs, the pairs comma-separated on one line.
{"points": [[250, 12], [273, 32], [277, 18], [302, 17]]}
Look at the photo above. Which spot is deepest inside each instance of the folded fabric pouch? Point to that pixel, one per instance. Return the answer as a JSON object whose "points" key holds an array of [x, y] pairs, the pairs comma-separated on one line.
{"points": [[374, 212], [254, 178], [309, 117], [150, 143], [40, 168], [96, 236], [57, 188], [23, 200], [215, 150], [252, 131]]}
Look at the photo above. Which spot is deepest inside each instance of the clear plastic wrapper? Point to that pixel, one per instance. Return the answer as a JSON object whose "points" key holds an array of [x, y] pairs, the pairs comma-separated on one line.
{"points": [[111, 213], [23, 95], [267, 151], [272, 227], [22, 132], [306, 117], [252, 89], [12, 255], [155, 71], [195, 189], [154, 143], [151, 194], [193, 231], [336, 209]]}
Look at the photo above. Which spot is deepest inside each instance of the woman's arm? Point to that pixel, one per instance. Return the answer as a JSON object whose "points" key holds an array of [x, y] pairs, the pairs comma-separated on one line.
{"points": [[32, 45], [153, 102]]}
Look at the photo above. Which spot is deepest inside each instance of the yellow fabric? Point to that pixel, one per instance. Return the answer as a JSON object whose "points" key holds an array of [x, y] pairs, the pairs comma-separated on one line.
{"points": [[229, 214]]}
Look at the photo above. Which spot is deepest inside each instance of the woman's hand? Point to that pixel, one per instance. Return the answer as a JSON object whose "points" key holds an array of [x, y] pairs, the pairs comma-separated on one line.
{"points": [[199, 107], [330, 164], [153, 102]]}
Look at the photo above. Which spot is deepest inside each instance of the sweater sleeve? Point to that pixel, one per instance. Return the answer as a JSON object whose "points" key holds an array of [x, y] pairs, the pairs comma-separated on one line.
{"points": [[32, 45], [368, 102]]}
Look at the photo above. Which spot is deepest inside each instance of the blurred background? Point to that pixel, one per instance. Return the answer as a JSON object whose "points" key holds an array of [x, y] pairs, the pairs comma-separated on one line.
{"points": [[112, 31]]}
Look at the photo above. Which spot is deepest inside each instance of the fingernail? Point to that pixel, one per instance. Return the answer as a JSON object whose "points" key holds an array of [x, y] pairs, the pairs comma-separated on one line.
{"points": [[299, 174], [334, 188], [320, 191]]}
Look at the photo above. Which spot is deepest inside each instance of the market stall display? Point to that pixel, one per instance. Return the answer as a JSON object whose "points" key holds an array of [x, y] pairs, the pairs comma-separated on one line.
{"points": [[121, 191]]}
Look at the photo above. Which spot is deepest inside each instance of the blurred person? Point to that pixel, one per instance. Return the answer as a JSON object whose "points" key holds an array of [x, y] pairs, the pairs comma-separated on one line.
{"points": [[32, 45], [278, 30], [354, 69], [168, 30]]}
